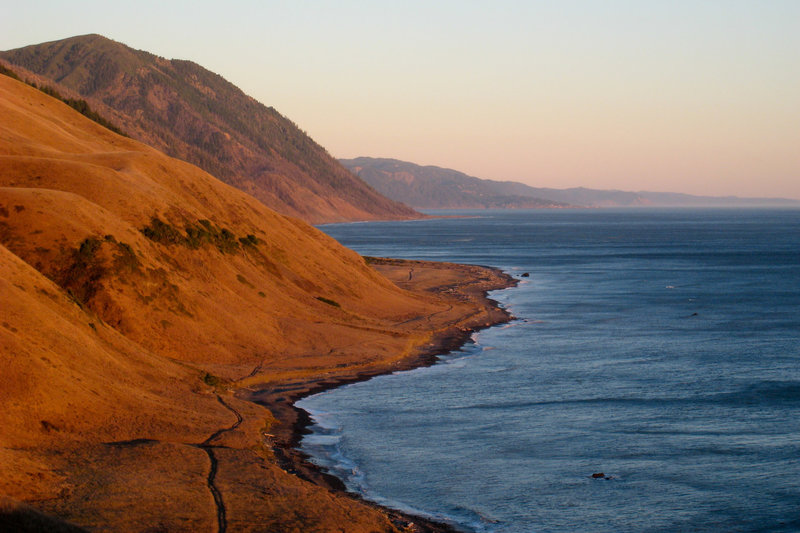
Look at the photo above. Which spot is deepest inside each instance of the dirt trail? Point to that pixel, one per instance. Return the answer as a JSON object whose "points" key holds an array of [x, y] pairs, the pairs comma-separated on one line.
{"points": [[206, 446]]}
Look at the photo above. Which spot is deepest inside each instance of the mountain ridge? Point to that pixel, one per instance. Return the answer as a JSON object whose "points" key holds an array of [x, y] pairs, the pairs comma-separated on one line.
{"points": [[196, 115], [432, 187], [139, 294], [437, 187]]}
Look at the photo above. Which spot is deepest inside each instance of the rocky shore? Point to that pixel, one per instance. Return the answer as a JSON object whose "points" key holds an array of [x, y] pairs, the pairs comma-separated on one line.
{"points": [[464, 282]]}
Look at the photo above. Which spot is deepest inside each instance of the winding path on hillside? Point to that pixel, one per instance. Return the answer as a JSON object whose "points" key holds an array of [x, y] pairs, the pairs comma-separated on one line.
{"points": [[208, 447]]}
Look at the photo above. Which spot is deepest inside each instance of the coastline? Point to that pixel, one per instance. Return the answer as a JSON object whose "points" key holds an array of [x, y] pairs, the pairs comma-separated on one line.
{"points": [[239, 469], [294, 422]]}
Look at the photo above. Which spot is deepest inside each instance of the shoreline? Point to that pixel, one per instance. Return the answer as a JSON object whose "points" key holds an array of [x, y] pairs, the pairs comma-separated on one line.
{"points": [[240, 469], [295, 422]]}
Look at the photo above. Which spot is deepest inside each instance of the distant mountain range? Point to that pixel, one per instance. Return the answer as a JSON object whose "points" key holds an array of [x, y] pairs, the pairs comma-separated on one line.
{"points": [[434, 187], [191, 113], [430, 187]]}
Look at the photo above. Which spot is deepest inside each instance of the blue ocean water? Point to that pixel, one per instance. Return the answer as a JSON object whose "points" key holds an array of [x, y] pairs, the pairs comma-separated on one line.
{"points": [[659, 347]]}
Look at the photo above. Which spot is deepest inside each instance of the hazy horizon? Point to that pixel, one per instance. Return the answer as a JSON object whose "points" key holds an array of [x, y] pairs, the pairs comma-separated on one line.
{"points": [[691, 97]]}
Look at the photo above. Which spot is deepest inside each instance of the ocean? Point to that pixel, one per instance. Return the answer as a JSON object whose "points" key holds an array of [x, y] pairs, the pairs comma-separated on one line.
{"points": [[659, 348]]}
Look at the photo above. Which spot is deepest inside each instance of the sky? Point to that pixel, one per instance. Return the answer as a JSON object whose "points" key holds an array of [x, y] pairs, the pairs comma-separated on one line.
{"points": [[698, 96]]}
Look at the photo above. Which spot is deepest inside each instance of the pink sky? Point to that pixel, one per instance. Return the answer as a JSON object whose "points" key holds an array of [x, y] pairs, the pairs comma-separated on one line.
{"points": [[689, 96]]}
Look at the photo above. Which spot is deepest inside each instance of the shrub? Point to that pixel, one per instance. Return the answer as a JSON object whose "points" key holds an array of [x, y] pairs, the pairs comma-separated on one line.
{"points": [[250, 240], [211, 380], [125, 258], [8, 72], [197, 236], [81, 276], [243, 280], [88, 248], [328, 301], [226, 241], [161, 232]]}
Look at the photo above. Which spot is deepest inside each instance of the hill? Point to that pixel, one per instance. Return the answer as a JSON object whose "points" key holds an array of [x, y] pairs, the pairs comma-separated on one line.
{"points": [[143, 302], [439, 188], [193, 114], [435, 187]]}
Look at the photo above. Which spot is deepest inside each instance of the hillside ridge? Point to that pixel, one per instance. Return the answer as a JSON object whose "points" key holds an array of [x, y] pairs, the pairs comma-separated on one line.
{"points": [[434, 187], [143, 301], [196, 115], [431, 187]]}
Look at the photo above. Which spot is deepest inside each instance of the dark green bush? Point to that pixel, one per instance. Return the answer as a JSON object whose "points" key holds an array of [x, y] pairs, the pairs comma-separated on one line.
{"points": [[197, 236], [328, 301], [125, 258], [226, 241], [161, 232], [250, 240], [211, 380], [88, 248], [244, 281]]}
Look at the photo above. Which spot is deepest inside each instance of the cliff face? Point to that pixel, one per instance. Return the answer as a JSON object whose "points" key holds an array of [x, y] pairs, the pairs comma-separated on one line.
{"points": [[195, 115]]}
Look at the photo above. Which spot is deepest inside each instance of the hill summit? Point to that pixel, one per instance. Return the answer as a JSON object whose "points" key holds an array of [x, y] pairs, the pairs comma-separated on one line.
{"points": [[193, 114]]}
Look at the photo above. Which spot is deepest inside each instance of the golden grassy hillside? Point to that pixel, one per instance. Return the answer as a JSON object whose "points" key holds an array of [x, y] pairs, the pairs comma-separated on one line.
{"points": [[145, 303], [76, 198], [193, 114]]}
